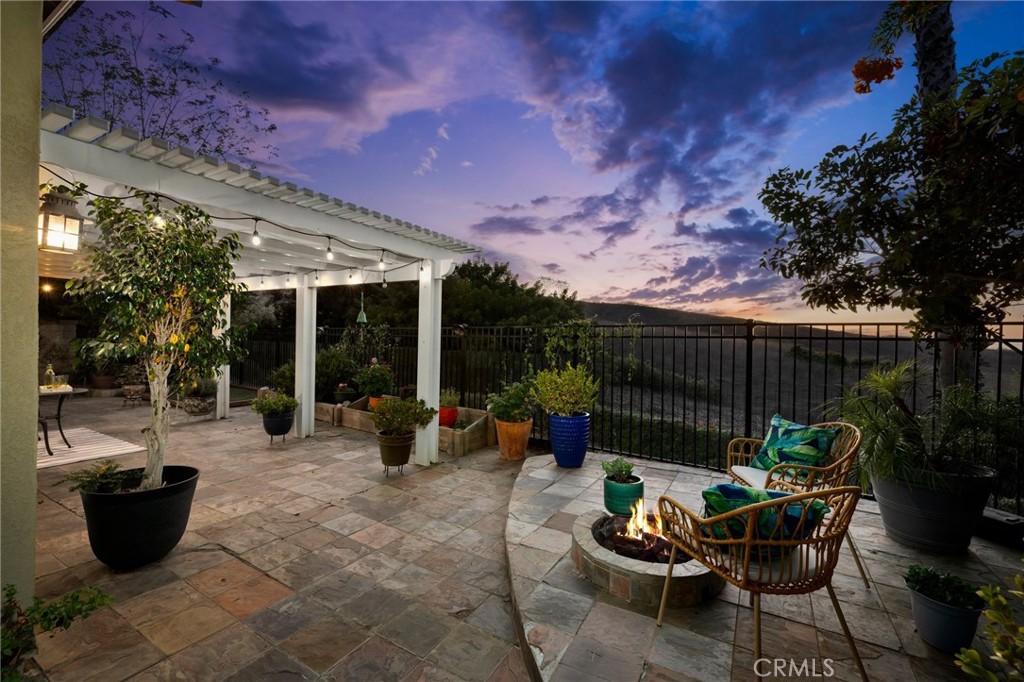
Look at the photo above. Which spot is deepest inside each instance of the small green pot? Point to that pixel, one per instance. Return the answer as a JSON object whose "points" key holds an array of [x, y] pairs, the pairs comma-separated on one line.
{"points": [[620, 497]]}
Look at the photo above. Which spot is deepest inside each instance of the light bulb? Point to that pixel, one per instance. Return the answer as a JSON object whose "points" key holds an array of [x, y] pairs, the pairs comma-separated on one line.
{"points": [[380, 264], [330, 254], [256, 237]]}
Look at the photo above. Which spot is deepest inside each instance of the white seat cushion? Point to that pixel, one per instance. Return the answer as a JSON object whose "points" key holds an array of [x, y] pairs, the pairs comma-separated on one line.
{"points": [[786, 569], [752, 477]]}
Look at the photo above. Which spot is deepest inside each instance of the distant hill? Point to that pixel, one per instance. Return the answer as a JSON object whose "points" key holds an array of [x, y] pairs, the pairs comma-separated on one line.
{"points": [[619, 313]]}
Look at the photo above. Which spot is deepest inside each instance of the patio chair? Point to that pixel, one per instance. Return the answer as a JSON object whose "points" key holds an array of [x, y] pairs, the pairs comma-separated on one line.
{"points": [[835, 473], [786, 545]]}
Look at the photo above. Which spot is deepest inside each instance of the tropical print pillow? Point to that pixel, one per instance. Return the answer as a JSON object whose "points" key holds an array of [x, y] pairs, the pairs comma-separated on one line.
{"points": [[791, 443], [795, 525]]}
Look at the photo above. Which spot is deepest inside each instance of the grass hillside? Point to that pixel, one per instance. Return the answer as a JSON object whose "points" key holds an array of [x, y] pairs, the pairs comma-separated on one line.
{"points": [[619, 313]]}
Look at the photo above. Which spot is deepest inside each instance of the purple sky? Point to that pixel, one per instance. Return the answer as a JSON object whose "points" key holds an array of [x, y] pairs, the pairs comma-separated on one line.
{"points": [[615, 147]]}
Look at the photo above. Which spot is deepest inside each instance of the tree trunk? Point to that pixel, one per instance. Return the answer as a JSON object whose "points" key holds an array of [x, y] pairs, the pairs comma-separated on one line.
{"points": [[159, 428], [935, 52]]}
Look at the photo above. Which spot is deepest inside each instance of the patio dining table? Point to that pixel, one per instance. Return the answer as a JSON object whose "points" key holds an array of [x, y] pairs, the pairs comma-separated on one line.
{"points": [[61, 396]]}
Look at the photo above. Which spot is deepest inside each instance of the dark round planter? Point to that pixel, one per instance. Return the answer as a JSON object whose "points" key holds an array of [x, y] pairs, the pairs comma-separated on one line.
{"points": [[132, 529], [395, 450], [278, 424], [447, 416], [569, 439], [947, 628], [619, 498], [937, 515]]}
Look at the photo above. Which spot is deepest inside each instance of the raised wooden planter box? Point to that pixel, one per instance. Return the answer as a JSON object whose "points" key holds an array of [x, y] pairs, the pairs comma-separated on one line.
{"points": [[479, 434], [325, 412]]}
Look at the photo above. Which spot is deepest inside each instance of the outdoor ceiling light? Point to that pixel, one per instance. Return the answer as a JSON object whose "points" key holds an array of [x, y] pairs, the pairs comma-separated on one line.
{"points": [[60, 223], [381, 264], [256, 234], [330, 254]]}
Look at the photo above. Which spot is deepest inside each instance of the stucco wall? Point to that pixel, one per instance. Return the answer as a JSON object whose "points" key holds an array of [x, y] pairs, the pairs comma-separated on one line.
{"points": [[20, 53]]}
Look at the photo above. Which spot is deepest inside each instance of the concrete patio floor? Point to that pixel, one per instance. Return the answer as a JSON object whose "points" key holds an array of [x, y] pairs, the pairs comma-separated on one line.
{"points": [[302, 561]]}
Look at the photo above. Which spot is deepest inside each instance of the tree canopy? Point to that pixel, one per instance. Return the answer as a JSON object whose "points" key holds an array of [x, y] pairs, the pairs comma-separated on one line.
{"points": [[927, 219], [100, 65]]}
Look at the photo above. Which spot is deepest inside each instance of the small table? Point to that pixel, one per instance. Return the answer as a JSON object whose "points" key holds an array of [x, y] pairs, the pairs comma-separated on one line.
{"points": [[61, 396]]}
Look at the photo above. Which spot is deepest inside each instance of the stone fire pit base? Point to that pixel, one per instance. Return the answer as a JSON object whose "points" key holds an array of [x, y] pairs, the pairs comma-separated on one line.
{"points": [[639, 581]]}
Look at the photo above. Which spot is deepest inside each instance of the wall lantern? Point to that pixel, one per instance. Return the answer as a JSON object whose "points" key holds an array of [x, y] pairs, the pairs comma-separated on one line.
{"points": [[60, 223]]}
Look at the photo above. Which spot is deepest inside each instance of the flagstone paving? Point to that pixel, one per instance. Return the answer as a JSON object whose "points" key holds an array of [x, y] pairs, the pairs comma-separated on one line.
{"points": [[302, 561]]}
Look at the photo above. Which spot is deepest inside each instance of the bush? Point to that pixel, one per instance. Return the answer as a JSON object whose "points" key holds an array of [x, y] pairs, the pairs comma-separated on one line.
{"points": [[375, 379], [514, 403], [334, 364], [394, 416], [942, 586], [566, 391], [274, 404], [659, 439]]}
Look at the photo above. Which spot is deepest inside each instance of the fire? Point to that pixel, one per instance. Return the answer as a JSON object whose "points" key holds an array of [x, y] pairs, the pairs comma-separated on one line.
{"points": [[640, 524]]}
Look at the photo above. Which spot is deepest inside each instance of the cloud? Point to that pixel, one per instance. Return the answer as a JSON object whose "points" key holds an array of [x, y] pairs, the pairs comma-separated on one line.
{"points": [[427, 162], [507, 225], [442, 132], [467, 164], [553, 268]]}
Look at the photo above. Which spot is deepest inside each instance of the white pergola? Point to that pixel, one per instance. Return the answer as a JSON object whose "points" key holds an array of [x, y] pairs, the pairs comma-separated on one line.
{"points": [[307, 239]]}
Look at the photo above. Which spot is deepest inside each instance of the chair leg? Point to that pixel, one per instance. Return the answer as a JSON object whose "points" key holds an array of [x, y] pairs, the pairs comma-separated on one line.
{"points": [[668, 578], [846, 631], [756, 603], [856, 560]]}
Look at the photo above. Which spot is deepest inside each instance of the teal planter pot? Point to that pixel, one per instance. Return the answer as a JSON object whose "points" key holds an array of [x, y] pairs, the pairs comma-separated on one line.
{"points": [[569, 439], [619, 498]]}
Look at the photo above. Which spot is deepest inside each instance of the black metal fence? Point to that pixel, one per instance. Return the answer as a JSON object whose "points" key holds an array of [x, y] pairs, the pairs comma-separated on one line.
{"points": [[680, 393]]}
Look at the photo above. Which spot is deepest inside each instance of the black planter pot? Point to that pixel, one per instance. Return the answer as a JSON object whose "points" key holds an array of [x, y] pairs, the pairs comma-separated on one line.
{"points": [[937, 515], [395, 450], [132, 529], [278, 424], [947, 628]]}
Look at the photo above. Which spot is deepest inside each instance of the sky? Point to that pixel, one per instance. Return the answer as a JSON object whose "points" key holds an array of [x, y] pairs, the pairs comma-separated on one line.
{"points": [[614, 148]]}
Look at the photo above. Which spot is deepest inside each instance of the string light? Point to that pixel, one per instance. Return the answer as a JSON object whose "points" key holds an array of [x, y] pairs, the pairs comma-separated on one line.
{"points": [[381, 264], [351, 275], [256, 233], [330, 254], [384, 281]]}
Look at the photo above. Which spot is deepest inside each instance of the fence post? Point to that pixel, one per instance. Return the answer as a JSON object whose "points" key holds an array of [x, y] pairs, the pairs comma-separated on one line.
{"points": [[748, 388]]}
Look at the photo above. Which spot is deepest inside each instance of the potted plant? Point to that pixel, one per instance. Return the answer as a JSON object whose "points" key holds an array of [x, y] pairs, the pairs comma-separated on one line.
{"points": [[278, 410], [200, 398], [566, 394], [513, 417], [448, 412], [1005, 633], [396, 421], [375, 380], [621, 487], [946, 608], [161, 277], [344, 393], [19, 625], [926, 469]]}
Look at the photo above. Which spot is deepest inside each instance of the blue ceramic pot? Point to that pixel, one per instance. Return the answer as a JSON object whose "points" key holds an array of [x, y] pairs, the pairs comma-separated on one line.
{"points": [[569, 439]]}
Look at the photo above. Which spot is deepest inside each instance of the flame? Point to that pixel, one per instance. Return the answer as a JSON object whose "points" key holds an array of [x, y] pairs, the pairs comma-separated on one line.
{"points": [[640, 524]]}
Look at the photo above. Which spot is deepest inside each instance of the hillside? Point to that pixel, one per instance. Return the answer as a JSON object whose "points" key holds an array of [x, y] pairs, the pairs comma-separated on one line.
{"points": [[619, 313]]}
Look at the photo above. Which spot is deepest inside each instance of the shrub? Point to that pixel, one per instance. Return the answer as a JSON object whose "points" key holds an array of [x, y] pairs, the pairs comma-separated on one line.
{"points": [[375, 379], [274, 404], [514, 403], [105, 476], [942, 586], [394, 416], [566, 391], [449, 398]]}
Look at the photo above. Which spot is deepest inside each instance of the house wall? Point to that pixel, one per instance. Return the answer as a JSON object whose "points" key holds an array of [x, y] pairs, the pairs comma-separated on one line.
{"points": [[21, 55]]}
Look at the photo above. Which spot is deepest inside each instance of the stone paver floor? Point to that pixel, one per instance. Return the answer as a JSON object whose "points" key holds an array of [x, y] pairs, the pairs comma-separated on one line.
{"points": [[303, 562]]}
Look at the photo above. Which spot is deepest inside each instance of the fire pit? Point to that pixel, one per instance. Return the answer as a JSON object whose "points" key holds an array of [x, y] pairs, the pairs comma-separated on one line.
{"points": [[633, 579]]}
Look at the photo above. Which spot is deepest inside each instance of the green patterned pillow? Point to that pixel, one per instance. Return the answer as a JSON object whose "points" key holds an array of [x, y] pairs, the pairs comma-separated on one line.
{"points": [[791, 443], [795, 525]]}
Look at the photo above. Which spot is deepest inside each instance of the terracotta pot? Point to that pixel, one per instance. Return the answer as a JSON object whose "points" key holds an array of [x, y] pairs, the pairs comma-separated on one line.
{"points": [[513, 438]]}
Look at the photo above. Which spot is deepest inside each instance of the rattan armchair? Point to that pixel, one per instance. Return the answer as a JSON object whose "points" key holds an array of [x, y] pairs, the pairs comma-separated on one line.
{"points": [[799, 478], [737, 546]]}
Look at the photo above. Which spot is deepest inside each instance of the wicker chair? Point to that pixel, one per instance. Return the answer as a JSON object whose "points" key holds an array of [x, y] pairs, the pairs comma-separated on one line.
{"points": [[736, 546], [797, 478]]}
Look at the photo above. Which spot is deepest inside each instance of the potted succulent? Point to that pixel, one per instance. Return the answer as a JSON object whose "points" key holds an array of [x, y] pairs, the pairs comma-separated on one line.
{"points": [[375, 380], [512, 409], [396, 421], [946, 608], [566, 394], [925, 469], [160, 276], [448, 412], [278, 410], [622, 488]]}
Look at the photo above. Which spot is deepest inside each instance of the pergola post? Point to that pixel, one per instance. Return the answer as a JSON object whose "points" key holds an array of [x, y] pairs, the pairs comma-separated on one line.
{"points": [[305, 356], [428, 357], [224, 382]]}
